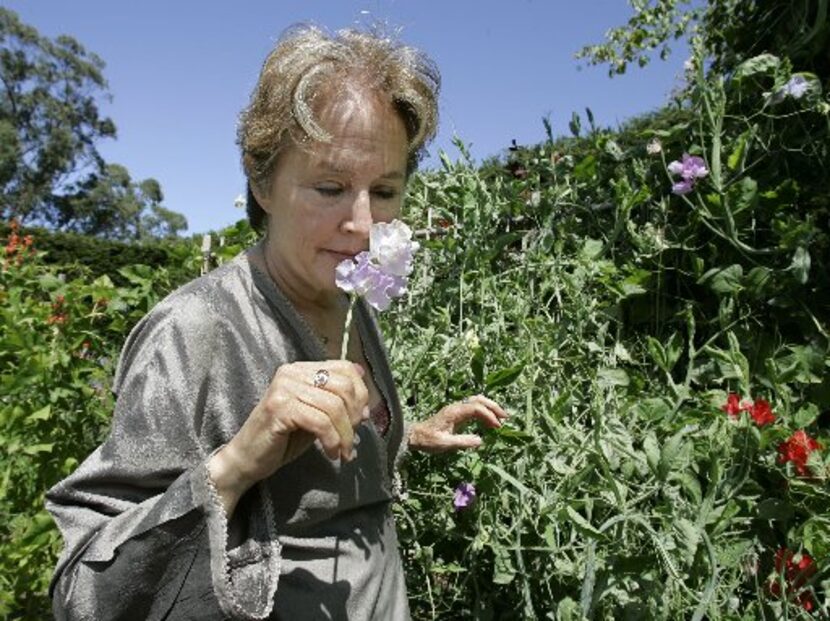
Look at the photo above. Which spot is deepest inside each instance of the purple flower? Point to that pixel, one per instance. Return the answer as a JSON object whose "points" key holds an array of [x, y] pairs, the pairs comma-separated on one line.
{"points": [[690, 168], [465, 495], [796, 87], [682, 187], [379, 275]]}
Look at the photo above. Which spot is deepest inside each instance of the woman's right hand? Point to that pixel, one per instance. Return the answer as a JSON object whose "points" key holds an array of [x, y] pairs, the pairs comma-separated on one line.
{"points": [[287, 420]]}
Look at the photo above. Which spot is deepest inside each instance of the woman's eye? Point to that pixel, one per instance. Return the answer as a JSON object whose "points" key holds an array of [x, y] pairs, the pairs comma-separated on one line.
{"points": [[385, 194], [329, 190]]}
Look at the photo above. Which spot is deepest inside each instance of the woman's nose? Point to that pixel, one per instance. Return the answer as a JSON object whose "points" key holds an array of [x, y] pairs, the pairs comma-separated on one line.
{"points": [[360, 221]]}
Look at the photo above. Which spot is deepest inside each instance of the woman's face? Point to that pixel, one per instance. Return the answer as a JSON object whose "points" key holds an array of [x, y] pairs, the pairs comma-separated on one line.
{"points": [[324, 197]]}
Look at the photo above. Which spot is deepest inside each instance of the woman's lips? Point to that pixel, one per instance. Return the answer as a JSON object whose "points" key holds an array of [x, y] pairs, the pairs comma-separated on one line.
{"points": [[340, 256]]}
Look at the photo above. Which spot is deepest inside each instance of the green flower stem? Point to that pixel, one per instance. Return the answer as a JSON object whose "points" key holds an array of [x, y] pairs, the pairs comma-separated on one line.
{"points": [[347, 328]]}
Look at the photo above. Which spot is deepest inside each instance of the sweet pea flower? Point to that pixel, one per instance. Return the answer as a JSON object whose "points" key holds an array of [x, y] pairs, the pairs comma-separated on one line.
{"points": [[795, 87], [392, 248], [465, 495], [761, 412], [796, 570], [380, 274], [734, 406], [654, 147], [682, 187], [690, 168], [797, 449], [364, 278]]}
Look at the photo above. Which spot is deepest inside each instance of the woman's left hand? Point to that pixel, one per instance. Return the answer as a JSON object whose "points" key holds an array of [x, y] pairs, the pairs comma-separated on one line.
{"points": [[438, 434]]}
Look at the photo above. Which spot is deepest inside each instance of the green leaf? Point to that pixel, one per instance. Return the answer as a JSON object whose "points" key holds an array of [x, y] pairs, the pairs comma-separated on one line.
{"points": [[582, 524], [816, 536], [723, 281], [757, 280], [34, 449], [612, 377], [586, 169], [503, 570], [652, 451], [670, 453], [737, 156], [509, 478], [591, 248], [504, 377], [689, 536], [775, 510], [666, 356], [41, 414], [477, 366], [744, 195], [806, 415], [763, 63]]}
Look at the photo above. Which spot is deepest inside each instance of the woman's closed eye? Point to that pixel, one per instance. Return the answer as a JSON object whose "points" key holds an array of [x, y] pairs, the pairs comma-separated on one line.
{"points": [[385, 194], [329, 189]]}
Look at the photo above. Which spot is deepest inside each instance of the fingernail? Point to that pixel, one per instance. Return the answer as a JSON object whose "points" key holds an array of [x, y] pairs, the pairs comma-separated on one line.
{"points": [[359, 368], [353, 456], [356, 440], [366, 413]]}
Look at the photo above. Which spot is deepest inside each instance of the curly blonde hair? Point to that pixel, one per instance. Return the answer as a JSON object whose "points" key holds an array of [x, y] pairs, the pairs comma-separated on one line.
{"points": [[304, 64]]}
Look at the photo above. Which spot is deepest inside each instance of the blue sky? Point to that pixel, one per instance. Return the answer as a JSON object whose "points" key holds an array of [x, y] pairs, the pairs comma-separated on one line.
{"points": [[179, 72]]}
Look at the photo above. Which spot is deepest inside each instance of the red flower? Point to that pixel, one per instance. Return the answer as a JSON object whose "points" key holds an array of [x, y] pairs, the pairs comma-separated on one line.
{"points": [[796, 573], [761, 413], [797, 449], [733, 405], [760, 410], [57, 318]]}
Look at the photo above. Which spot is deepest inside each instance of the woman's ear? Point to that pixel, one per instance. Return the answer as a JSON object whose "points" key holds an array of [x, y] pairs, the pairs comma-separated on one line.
{"points": [[260, 199]]}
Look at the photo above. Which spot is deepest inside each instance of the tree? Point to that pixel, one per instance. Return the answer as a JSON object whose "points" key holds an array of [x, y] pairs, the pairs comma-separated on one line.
{"points": [[107, 203], [731, 31], [50, 169]]}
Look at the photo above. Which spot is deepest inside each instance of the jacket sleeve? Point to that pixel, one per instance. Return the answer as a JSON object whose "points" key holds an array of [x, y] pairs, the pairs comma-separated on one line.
{"points": [[145, 535]]}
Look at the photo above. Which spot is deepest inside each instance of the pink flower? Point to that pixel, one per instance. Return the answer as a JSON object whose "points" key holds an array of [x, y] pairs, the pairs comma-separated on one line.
{"points": [[690, 168]]}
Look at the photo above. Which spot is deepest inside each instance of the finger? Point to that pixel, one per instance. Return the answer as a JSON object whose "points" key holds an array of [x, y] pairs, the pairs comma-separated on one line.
{"points": [[492, 405], [340, 420], [479, 411], [461, 441], [308, 418], [343, 381], [334, 408]]}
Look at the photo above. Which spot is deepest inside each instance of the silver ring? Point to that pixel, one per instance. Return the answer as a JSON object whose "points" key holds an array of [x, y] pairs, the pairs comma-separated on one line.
{"points": [[465, 400], [321, 378]]}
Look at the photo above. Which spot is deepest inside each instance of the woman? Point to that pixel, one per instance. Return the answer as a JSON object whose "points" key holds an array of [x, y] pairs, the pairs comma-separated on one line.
{"points": [[248, 471]]}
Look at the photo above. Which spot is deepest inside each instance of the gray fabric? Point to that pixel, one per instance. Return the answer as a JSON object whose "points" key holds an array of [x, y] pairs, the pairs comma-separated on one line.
{"points": [[145, 535]]}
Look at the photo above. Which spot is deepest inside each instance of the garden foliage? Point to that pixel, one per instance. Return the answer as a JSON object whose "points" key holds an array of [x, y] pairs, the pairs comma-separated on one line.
{"points": [[664, 356]]}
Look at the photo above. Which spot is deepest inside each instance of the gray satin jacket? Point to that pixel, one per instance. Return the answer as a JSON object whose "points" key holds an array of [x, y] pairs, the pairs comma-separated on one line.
{"points": [[145, 534]]}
